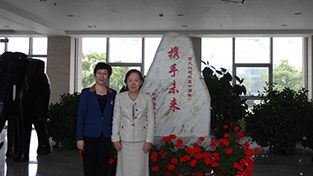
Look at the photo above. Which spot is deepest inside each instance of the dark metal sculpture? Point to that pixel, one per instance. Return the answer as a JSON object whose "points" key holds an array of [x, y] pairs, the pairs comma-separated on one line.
{"points": [[24, 100]]}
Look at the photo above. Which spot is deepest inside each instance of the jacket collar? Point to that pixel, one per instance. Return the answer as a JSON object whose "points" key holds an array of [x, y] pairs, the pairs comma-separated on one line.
{"points": [[93, 88]]}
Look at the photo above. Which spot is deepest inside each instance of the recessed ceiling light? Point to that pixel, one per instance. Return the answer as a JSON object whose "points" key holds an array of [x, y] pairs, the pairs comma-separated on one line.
{"points": [[180, 14], [284, 25], [70, 16], [298, 13]]}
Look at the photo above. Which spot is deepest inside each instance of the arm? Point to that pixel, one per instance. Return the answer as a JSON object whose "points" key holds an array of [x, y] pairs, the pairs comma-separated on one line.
{"points": [[81, 114], [150, 121], [116, 125]]}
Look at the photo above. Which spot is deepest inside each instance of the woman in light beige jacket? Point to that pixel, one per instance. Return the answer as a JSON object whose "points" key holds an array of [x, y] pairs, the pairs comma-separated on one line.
{"points": [[133, 128]]}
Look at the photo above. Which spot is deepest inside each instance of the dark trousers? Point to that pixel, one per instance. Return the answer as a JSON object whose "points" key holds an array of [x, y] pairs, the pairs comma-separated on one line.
{"points": [[96, 155]]}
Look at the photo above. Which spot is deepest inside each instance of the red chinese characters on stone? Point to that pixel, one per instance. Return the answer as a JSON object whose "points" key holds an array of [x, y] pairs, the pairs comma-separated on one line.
{"points": [[173, 106], [173, 70], [173, 89], [189, 84], [173, 54]]}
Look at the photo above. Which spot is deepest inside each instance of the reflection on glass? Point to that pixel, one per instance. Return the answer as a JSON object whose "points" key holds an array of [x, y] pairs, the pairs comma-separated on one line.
{"points": [[118, 76], [18, 44], [255, 78], [287, 67], [151, 46], [252, 50], [125, 50], [40, 45], [218, 52]]}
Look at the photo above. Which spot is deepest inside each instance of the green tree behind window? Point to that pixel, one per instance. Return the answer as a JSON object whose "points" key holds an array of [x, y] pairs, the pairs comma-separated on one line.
{"points": [[88, 64], [284, 75]]}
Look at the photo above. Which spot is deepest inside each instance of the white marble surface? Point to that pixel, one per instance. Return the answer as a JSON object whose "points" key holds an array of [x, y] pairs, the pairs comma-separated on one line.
{"points": [[190, 117]]}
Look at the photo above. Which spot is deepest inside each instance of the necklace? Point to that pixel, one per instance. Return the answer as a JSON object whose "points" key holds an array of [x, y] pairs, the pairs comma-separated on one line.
{"points": [[133, 96]]}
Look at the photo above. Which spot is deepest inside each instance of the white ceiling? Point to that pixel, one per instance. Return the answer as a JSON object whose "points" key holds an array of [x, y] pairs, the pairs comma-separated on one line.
{"points": [[195, 17]]}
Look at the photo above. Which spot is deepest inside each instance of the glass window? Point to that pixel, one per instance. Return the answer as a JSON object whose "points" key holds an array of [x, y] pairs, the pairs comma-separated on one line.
{"points": [[252, 50], [40, 45], [2, 45], [19, 44], [43, 59], [118, 76], [218, 52], [287, 66], [94, 45], [151, 46], [255, 78], [251, 103], [125, 50]]}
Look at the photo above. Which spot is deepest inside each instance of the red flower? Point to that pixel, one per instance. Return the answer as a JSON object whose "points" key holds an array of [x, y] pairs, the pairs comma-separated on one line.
{"points": [[174, 160], [193, 162], [225, 126], [188, 150], [240, 133], [228, 151], [223, 142], [111, 161], [170, 167], [154, 156], [226, 135], [236, 128], [184, 158], [179, 143], [213, 143], [180, 175], [214, 164], [163, 153], [166, 139], [155, 169], [201, 139], [238, 166], [195, 145], [257, 150], [236, 140], [81, 154], [246, 145], [172, 136]]}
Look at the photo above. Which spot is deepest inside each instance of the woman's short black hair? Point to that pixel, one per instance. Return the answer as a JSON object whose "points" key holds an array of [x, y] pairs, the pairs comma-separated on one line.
{"points": [[102, 65], [134, 71]]}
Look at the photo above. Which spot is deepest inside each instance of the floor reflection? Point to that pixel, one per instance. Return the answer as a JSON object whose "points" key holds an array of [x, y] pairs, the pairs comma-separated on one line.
{"points": [[68, 162]]}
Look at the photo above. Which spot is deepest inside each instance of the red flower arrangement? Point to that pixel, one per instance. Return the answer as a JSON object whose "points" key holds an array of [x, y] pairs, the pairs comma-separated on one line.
{"points": [[226, 156], [167, 157], [231, 157]]}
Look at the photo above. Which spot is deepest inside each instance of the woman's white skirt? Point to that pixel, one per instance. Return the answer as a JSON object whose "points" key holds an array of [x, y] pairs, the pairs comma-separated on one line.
{"points": [[131, 160]]}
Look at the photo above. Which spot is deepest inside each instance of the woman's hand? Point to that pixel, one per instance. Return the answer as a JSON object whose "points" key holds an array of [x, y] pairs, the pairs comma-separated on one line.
{"points": [[147, 147], [117, 145], [80, 144]]}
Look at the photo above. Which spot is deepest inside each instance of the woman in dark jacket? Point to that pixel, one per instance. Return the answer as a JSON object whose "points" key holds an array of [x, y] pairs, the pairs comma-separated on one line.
{"points": [[94, 123]]}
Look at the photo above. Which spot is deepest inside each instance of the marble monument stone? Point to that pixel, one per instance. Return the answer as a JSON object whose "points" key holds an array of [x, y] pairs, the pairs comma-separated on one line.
{"points": [[181, 100]]}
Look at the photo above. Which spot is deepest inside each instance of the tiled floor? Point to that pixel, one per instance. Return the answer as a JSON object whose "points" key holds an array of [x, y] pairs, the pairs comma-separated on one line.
{"points": [[68, 163]]}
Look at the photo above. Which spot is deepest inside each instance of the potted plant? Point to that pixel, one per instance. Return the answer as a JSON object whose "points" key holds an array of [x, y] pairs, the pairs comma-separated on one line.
{"points": [[61, 123], [226, 103], [230, 157], [201, 159], [278, 121], [165, 159], [112, 161]]}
